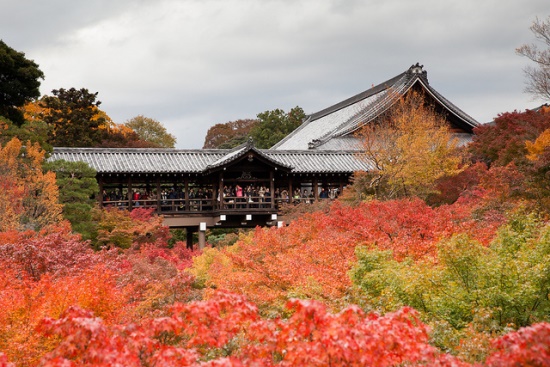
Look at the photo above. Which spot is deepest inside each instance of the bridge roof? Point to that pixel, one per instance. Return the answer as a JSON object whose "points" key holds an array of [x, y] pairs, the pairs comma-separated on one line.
{"points": [[144, 160], [127, 160]]}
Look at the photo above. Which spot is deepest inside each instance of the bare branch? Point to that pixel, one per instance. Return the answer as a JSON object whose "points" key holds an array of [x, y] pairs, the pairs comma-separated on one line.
{"points": [[538, 77]]}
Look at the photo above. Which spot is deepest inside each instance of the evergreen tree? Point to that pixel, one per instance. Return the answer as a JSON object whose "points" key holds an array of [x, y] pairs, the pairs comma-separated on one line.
{"points": [[275, 125], [19, 82], [74, 118], [77, 187]]}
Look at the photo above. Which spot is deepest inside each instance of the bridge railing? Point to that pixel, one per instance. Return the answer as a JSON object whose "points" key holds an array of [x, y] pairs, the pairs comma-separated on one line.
{"points": [[206, 205], [194, 205]]}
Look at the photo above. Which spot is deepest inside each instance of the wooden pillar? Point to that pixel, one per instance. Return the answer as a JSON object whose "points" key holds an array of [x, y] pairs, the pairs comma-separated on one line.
{"points": [[202, 235], [202, 240], [159, 208], [189, 237], [100, 196], [290, 192], [220, 190], [130, 193], [316, 188], [186, 193], [272, 189]]}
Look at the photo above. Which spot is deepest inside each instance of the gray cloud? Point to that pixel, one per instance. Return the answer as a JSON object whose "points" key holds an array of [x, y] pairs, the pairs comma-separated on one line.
{"points": [[191, 64]]}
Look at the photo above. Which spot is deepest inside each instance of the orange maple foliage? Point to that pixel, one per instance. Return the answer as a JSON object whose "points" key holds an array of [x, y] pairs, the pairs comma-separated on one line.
{"points": [[28, 197], [311, 257], [34, 110], [121, 228], [156, 278], [25, 302]]}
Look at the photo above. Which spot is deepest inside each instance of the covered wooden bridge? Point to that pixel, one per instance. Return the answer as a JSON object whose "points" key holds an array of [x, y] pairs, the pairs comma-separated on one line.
{"points": [[198, 189]]}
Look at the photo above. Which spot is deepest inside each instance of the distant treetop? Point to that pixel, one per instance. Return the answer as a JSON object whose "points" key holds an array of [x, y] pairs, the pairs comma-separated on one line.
{"points": [[19, 82]]}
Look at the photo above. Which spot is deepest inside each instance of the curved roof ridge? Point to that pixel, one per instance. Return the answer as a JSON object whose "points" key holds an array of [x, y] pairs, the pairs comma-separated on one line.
{"points": [[452, 107], [370, 111], [376, 108], [358, 97]]}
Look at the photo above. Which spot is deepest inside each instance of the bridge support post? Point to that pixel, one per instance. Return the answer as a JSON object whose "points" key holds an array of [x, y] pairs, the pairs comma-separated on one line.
{"points": [[189, 237], [202, 235]]}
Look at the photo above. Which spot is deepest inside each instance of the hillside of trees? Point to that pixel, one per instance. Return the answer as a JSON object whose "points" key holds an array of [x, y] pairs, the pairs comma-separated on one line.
{"points": [[452, 269]]}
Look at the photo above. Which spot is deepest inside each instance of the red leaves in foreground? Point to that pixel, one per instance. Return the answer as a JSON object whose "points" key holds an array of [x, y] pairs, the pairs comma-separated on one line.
{"points": [[228, 330], [529, 346], [314, 337]]}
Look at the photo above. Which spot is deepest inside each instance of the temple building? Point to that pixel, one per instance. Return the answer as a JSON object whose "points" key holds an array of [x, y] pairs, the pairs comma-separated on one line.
{"points": [[245, 186], [334, 127]]}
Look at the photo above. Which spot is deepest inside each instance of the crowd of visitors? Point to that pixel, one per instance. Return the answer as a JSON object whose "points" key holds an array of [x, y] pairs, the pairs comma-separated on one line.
{"points": [[249, 196]]}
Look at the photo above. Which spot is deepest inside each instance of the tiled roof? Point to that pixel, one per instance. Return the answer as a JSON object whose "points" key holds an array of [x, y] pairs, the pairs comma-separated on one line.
{"points": [[348, 142], [123, 160], [348, 116], [321, 161]]}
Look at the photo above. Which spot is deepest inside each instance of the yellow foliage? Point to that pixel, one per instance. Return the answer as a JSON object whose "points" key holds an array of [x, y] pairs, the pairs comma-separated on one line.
{"points": [[33, 111], [202, 264], [108, 122], [541, 143], [28, 197], [411, 147]]}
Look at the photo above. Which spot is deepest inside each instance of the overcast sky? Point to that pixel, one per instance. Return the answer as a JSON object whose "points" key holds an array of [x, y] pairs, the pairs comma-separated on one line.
{"points": [[193, 63]]}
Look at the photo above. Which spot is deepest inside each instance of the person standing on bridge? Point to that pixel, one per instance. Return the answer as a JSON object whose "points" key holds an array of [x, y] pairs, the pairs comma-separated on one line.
{"points": [[238, 194]]}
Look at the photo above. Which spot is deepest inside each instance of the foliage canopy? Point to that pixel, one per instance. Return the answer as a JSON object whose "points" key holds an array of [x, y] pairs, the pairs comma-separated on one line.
{"points": [[19, 82], [151, 131], [410, 149]]}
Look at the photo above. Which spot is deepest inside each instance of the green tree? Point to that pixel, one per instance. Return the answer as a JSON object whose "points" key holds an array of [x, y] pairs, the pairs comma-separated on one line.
{"points": [[410, 149], [19, 82], [275, 125], [151, 131], [77, 188], [538, 76], [35, 131], [509, 280], [74, 118]]}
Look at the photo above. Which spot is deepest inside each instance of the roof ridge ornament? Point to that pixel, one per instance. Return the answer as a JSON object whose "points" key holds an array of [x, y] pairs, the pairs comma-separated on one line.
{"points": [[418, 70], [250, 142]]}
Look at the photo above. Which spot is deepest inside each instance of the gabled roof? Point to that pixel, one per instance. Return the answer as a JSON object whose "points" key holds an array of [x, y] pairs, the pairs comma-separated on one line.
{"points": [[242, 150], [344, 118]]}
